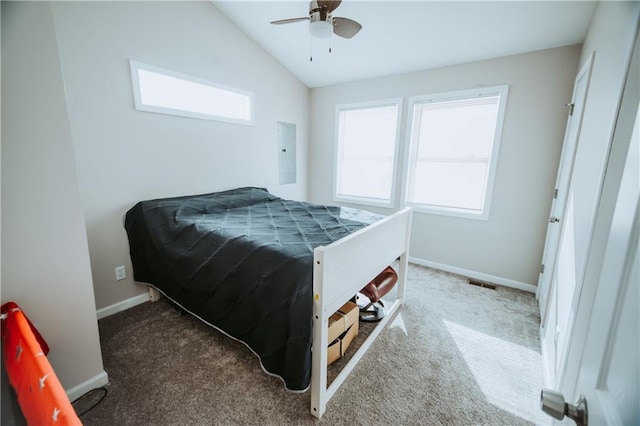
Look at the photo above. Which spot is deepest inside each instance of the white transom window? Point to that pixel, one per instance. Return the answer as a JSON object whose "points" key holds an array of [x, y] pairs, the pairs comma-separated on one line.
{"points": [[168, 92]]}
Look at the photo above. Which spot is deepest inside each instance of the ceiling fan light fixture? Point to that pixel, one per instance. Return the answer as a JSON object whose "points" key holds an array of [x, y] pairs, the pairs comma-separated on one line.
{"points": [[320, 29]]}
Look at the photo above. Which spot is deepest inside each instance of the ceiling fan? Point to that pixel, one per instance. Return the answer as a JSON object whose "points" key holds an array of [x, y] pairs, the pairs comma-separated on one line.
{"points": [[322, 23]]}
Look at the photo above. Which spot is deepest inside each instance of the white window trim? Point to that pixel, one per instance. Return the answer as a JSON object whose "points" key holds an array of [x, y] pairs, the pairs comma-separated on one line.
{"points": [[503, 91], [396, 152], [136, 65]]}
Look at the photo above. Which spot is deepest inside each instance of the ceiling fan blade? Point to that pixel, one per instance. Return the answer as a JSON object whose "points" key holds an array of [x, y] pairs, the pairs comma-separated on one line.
{"points": [[329, 5], [289, 21], [345, 27]]}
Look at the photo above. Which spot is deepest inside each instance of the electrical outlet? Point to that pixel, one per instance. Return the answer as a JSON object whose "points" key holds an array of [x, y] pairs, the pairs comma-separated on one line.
{"points": [[121, 273]]}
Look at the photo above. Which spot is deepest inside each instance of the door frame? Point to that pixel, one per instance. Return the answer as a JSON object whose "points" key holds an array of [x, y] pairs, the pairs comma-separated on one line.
{"points": [[563, 180]]}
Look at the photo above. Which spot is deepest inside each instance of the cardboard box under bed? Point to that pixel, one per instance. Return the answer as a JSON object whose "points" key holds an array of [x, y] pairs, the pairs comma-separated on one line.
{"points": [[343, 328]]}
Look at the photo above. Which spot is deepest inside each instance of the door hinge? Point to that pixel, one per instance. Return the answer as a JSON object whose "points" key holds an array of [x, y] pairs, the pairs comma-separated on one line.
{"points": [[555, 193], [542, 268], [570, 105]]}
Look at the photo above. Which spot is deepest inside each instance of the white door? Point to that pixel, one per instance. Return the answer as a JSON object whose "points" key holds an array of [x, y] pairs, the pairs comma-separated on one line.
{"points": [[603, 358], [562, 184], [608, 374]]}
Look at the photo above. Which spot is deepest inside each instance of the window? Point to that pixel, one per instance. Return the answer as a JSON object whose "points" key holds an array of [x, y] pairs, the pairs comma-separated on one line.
{"points": [[366, 151], [454, 140], [167, 92]]}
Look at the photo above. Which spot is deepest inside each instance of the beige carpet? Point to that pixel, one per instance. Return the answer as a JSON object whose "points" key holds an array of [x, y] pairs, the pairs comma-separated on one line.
{"points": [[456, 354]]}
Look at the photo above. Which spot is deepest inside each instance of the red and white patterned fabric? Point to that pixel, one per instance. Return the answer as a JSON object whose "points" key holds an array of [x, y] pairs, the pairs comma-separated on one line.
{"points": [[41, 397]]}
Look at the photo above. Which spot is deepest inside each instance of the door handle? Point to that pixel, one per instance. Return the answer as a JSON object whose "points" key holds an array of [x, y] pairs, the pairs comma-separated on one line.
{"points": [[552, 403], [554, 219]]}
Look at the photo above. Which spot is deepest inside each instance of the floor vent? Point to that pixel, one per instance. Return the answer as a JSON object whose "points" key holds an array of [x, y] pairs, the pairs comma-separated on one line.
{"points": [[483, 284]]}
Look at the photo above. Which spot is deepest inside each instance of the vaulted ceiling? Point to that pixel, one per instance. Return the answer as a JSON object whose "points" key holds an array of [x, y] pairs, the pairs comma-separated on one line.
{"points": [[404, 36]]}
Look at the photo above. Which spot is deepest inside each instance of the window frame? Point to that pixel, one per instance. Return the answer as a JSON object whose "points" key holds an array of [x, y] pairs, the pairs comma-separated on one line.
{"points": [[502, 91], [361, 200], [135, 66]]}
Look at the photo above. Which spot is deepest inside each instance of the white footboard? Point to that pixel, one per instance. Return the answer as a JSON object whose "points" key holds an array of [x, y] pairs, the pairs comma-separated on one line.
{"points": [[343, 268]]}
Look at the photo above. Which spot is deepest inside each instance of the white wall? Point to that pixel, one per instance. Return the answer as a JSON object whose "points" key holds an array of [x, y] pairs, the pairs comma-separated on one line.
{"points": [[124, 155], [45, 259], [508, 247]]}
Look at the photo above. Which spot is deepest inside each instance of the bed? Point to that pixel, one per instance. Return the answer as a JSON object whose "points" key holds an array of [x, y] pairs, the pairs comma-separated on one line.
{"points": [[267, 271]]}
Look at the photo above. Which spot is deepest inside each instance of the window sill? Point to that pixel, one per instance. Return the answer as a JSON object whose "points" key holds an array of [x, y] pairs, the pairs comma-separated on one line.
{"points": [[450, 212]]}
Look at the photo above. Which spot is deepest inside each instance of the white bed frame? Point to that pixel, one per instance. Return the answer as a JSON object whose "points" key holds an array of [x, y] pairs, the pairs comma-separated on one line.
{"points": [[341, 269]]}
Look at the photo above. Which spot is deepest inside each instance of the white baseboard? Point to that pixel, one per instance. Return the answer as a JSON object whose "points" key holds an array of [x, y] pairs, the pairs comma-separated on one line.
{"points": [[477, 275], [121, 306], [96, 381]]}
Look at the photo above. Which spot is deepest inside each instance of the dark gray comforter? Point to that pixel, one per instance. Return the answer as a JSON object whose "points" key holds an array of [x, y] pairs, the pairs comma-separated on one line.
{"points": [[242, 261]]}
